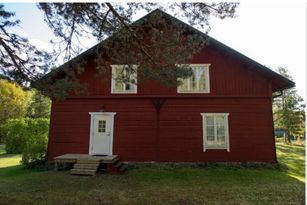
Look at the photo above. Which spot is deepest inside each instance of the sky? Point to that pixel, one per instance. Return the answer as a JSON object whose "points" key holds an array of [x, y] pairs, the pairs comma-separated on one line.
{"points": [[273, 34]]}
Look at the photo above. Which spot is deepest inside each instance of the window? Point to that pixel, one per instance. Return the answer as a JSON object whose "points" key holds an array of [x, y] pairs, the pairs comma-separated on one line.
{"points": [[198, 82], [215, 131], [124, 79], [101, 126]]}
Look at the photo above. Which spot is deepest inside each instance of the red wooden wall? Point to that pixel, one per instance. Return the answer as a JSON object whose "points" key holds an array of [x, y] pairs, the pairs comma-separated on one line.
{"points": [[177, 136]]}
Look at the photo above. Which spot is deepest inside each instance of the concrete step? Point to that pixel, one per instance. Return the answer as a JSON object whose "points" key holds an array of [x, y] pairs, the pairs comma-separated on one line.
{"points": [[83, 171]]}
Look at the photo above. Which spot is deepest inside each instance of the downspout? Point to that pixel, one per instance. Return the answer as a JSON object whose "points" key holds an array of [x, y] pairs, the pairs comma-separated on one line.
{"points": [[50, 130], [158, 103], [278, 95]]}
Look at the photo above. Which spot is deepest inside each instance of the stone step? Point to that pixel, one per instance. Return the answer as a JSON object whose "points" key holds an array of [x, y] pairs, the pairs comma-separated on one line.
{"points": [[123, 168], [118, 164], [86, 166], [83, 171]]}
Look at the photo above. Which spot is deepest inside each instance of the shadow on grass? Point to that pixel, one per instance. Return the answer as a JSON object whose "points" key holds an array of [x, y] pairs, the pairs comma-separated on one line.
{"points": [[12, 171], [4, 155], [292, 159]]}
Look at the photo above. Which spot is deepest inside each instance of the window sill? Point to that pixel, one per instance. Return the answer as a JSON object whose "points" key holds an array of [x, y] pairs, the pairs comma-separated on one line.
{"points": [[193, 92], [124, 93], [216, 148]]}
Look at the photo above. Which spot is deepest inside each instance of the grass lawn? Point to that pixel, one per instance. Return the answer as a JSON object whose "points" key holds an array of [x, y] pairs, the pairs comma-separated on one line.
{"points": [[160, 184]]}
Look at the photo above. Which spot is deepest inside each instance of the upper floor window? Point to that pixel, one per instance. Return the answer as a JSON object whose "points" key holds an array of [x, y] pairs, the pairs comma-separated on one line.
{"points": [[198, 82], [124, 79], [215, 131]]}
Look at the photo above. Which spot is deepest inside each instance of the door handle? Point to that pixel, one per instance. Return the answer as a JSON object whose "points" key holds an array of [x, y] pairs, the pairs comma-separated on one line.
{"points": [[109, 133]]}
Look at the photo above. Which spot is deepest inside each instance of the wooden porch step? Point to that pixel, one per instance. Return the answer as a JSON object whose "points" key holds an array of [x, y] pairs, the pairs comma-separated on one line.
{"points": [[86, 166], [83, 171], [88, 161]]}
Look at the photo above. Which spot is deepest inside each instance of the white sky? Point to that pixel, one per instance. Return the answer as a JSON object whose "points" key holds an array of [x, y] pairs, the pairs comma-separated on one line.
{"points": [[273, 34]]}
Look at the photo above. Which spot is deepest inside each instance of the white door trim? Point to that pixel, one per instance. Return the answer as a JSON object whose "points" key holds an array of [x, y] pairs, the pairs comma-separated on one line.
{"points": [[92, 132]]}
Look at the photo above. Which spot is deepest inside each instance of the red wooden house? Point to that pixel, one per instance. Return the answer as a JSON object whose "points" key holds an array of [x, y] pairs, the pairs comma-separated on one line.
{"points": [[223, 115]]}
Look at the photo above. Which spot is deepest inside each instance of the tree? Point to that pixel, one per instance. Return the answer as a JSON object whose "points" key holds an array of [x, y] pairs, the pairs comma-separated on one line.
{"points": [[19, 60], [158, 53], [13, 100], [40, 106], [289, 110]]}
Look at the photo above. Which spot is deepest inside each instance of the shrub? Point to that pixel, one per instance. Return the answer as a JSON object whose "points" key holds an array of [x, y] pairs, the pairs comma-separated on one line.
{"points": [[35, 151], [27, 136], [14, 133]]}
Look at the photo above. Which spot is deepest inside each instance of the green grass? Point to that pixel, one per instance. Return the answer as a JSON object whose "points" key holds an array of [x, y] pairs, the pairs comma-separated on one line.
{"points": [[292, 158], [8, 160], [162, 184]]}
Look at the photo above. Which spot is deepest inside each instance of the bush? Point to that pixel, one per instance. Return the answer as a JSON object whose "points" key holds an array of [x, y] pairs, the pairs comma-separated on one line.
{"points": [[27, 136], [14, 134], [35, 152]]}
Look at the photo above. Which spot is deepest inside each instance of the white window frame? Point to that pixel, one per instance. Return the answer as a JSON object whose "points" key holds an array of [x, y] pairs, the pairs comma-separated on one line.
{"points": [[205, 146], [207, 81], [113, 82]]}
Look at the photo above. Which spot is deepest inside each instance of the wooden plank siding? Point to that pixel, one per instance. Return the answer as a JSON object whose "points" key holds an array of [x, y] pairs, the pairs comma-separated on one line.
{"points": [[228, 77], [177, 136], [135, 139]]}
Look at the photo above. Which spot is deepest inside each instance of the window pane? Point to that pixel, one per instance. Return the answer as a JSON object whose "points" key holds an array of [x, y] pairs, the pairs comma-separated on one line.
{"points": [[202, 80], [210, 130], [220, 130], [221, 140], [101, 126], [184, 85], [127, 86], [220, 120], [210, 120], [117, 76], [193, 80], [220, 125], [210, 140]]}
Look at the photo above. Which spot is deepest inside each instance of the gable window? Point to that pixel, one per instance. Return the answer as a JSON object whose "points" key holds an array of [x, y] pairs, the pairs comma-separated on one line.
{"points": [[198, 82], [215, 131], [124, 79]]}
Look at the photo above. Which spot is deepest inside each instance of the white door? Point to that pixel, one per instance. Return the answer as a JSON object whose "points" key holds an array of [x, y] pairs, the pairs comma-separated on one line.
{"points": [[102, 134]]}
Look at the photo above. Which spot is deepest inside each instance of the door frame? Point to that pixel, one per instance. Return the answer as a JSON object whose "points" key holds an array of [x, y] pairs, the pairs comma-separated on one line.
{"points": [[93, 114]]}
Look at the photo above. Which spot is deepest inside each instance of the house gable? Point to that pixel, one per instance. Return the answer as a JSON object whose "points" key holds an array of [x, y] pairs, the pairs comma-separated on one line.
{"points": [[232, 73]]}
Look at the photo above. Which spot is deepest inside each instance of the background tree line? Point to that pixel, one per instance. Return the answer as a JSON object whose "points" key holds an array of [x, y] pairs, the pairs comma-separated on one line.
{"points": [[289, 112], [24, 122]]}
